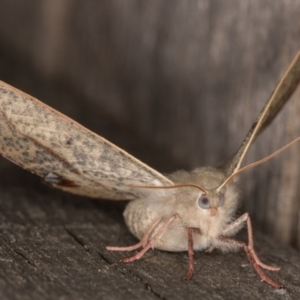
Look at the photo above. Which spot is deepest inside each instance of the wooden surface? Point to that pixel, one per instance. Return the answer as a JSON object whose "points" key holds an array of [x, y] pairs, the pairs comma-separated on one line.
{"points": [[96, 69], [53, 247]]}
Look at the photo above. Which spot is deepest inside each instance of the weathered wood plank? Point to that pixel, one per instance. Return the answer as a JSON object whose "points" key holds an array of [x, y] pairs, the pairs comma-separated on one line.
{"points": [[53, 245]]}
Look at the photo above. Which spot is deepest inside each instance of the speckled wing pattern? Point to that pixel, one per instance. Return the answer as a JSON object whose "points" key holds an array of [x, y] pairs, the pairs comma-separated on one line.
{"points": [[67, 155], [282, 93]]}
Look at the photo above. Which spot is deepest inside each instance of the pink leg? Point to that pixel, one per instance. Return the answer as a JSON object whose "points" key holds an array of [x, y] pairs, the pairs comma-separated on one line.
{"points": [[210, 249], [252, 256], [252, 251], [152, 241], [142, 243], [190, 272]]}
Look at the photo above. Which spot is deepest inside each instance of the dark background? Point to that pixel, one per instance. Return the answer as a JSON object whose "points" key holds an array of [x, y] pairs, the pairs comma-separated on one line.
{"points": [[176, 83]]}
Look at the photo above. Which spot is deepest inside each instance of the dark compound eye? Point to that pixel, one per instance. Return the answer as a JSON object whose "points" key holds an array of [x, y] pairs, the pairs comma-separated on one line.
{"points": [[221, 199], [203, 202]]}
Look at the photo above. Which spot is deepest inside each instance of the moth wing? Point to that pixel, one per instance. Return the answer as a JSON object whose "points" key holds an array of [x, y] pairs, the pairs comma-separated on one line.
{"points": [[67, 155], [282, 93]]}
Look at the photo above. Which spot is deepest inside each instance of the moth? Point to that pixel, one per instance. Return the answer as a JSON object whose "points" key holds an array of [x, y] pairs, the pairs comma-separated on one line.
{"points": [[180, 212]]}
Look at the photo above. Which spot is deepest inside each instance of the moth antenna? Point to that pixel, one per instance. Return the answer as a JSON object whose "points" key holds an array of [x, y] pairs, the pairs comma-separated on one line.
{"points": [[170, 187], [258, 162], [290, 81]]}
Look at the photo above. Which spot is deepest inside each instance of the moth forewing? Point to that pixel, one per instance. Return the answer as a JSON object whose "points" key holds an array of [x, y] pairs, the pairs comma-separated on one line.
{"points": [[67, 155]]}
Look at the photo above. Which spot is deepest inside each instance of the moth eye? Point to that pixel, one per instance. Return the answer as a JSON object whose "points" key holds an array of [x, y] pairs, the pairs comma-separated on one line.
{"points": [[203, 202], [221, 199]]}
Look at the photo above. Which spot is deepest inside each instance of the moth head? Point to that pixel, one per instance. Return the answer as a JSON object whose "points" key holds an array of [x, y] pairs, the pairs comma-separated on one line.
{"points": [[198, 192], [211, 200], [220, 206]]}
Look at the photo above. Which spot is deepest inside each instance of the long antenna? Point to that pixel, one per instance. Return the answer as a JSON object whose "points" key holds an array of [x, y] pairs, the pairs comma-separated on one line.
{"points": [[175, 186], [258, 162], [285, 88]]}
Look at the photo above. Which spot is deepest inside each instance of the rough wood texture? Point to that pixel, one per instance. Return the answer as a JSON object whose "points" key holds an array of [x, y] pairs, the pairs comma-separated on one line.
{"points": [[53, 247], [203, 69]]}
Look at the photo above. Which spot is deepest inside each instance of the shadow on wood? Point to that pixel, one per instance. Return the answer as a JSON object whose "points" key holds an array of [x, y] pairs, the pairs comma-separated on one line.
{"points": [[53, 246]]}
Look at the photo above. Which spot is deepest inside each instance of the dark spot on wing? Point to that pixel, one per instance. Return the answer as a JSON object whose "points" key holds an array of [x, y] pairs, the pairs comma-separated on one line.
{"points": [[52, 178], [69, 141], [67, 183]]}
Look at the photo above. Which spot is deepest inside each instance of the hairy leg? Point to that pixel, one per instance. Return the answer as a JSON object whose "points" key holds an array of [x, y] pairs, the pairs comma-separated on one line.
{"points": [[249, 249], [150, 244], [191, 254], [143, 242]]}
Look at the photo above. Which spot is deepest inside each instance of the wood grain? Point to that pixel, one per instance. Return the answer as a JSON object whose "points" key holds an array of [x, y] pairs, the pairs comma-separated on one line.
{"points": [[53, 246], [203, 69]]}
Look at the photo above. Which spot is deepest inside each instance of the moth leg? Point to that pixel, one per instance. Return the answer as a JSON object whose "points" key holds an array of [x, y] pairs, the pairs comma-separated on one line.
{"points": [[235, 226], [142, 243], [249, 249], [190, 271], [210, 249], [152, 241]]}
